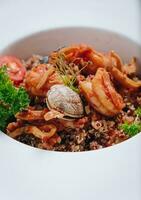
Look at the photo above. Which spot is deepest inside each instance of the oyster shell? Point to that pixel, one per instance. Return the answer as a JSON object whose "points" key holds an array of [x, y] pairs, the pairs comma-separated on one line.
{"points": [[65, 100]]}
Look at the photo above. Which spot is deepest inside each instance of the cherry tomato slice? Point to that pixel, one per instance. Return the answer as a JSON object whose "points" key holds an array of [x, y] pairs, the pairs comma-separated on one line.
{"points": [[15, 68]]}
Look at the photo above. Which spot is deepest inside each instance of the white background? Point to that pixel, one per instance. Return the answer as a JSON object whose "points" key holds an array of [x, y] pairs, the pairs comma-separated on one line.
{"points": [[37, 175], [25, 16]]}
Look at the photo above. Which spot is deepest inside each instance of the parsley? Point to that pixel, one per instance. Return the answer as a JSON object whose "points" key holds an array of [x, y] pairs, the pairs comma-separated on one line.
{"points": [[138, 112], [131, 129], [12, 99]]}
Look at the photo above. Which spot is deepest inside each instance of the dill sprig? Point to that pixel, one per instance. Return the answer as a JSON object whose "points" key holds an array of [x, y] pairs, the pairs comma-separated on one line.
{"points": [[67, 72]]}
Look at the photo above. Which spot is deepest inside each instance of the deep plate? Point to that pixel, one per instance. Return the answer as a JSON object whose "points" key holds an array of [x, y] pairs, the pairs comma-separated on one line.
{"points": [[29, 173], [44, 42]]}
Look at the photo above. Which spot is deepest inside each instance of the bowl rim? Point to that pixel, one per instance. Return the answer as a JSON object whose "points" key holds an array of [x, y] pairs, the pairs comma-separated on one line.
{"points": [[27, 36], [113, 147], [22, 38]]}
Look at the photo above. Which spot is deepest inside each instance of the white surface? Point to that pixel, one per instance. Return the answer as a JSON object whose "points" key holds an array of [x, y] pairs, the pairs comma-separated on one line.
{"points": [[20, 17], [31, 174]]}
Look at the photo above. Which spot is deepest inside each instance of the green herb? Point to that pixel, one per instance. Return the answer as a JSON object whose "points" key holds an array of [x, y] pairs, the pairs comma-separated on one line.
{"points": [[12, 99], [131, 129], [67, 72], [138, 112]]}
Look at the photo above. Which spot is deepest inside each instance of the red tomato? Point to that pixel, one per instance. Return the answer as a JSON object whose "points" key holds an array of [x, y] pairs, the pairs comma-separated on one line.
{"points": [[15, 68]]}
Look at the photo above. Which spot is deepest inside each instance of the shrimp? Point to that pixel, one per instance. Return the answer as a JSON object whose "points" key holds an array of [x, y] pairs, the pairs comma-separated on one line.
{"points": [[101, 94], [82, 54], [39, 79], [124, 80], [90, 60]]}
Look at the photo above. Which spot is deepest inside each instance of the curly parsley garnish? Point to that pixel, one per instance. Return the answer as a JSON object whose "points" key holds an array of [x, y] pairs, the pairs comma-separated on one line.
{"points": [[138, 112], [12, 99], [131, 129]]}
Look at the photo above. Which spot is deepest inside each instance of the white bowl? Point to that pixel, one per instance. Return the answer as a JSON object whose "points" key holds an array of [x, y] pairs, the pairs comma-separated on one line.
{"points": [[47, 41], [114, 166]]}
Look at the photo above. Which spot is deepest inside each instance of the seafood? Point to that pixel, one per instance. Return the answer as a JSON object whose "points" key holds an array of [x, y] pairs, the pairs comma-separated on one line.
{"points": [[43, 132], [65, 100], [30, 114], [101, 94], [80, 54], [40, 78], [53, 114], [79, 99], [124, 80]]}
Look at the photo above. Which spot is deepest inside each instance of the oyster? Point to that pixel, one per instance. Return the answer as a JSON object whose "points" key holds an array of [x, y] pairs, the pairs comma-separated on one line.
{"points": [[65, 100]]}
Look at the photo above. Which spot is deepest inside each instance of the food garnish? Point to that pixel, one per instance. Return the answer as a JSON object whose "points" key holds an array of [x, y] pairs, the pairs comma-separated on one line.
{"points": [[131, 129], [138, 112], [12, 99], [66, 72]]}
